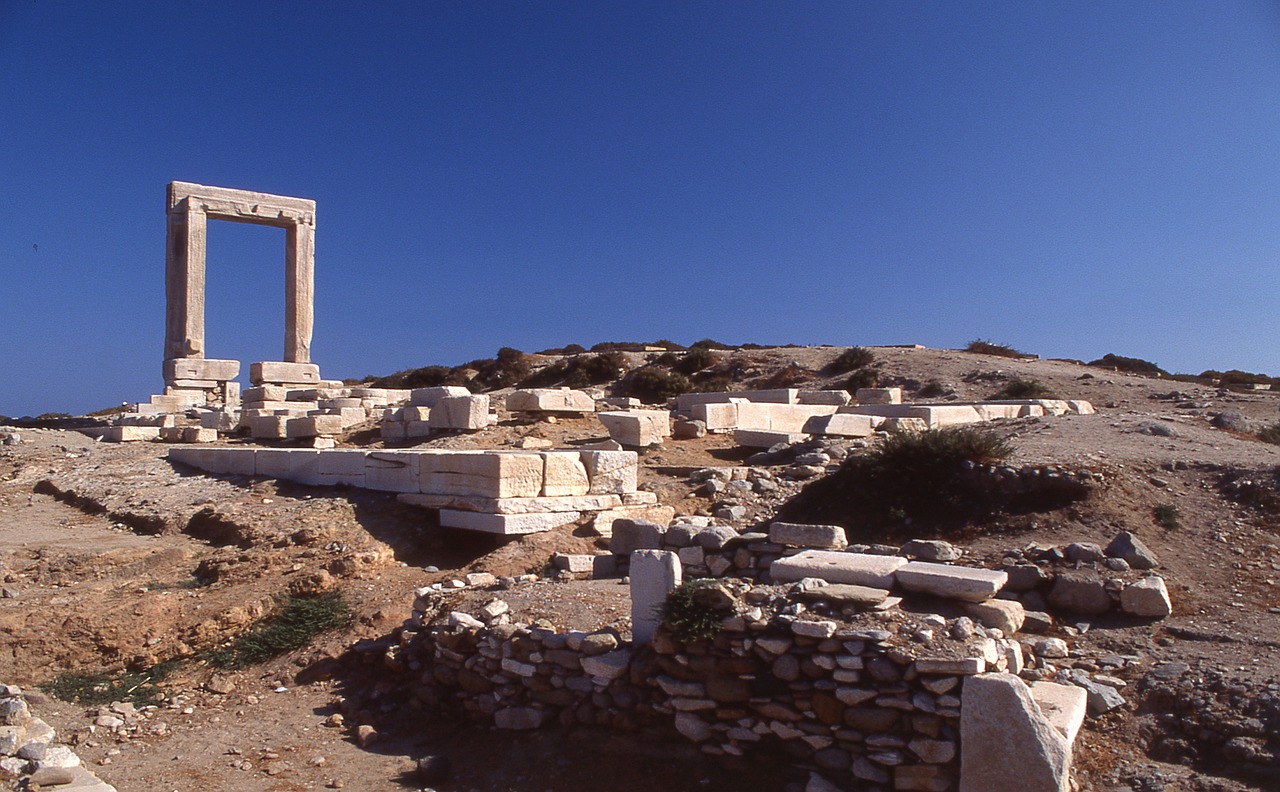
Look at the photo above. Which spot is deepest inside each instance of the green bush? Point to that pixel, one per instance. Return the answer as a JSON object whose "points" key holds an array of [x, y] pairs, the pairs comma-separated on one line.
{"points": [[687, 619], [695, 360], [1018, 388], [1127, 364], [654, 385], [95, 690], [931, 390], [294, 626], [982, 347], [1270, 434], [852, 358]]}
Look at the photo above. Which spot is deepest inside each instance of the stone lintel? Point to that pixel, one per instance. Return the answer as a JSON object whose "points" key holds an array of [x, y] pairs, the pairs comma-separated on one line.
{"points": [[245, 206]]}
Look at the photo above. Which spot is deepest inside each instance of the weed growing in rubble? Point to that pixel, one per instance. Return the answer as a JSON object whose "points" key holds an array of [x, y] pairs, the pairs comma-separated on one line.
{"points": [[99, 689], [850, 359], [1270, 434], [292, 627], [1167, 515], [686, 618]]}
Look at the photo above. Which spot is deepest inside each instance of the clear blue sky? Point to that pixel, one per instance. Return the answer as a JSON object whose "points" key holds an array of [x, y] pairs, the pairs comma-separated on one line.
{"points": [[1068, 178]]}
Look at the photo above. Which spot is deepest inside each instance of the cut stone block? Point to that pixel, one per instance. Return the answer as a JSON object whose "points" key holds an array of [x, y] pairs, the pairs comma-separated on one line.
{"points": [[475, 503], [799, 535], [341, 468], [506, 524], [415, 413], [389, 471], [605, 520], [837, 397], [860, 569], [718, 416], [416, 429], [1081, 407], [130, 434], [637, 428], [304, 466], [219, 420], [273, 462], [470, 413], [654, 575], [611, 472], [550, 400], [192, 384], [630, 535], [269, 427], [760, 438], [279, 373], [686, 401], [951, 582], [200, 369], [229, 461], [879, 395], [564, 474], [393, 431], [1006, 615], [488, 473], [1006, 742], [199, 434], [430, 397], [315, 426], [843, 425], [265, 393]]}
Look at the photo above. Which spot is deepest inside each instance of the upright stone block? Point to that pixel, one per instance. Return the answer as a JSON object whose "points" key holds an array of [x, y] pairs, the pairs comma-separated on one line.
{"points": [[654, 575], [1006, 742], [281, 373], [718, 416]]}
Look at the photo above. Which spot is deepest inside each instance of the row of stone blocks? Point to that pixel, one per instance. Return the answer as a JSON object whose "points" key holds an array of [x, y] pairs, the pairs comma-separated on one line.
{"points": [[439, 409], [493, 491]]}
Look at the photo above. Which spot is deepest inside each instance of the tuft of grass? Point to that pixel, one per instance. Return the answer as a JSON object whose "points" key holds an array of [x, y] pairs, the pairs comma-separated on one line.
{"points": [[294, 626], [1167, 516], [1018, 388], [1270, 434], [852, 358], [687, 619], [982, 347], [96, 690]]}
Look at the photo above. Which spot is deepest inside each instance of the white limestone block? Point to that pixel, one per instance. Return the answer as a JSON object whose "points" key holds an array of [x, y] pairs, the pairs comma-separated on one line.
{"points": [[1148, 598], [843, 425], [879, 395], [761, 438], [686, 401], [637, 428], [476, 503], [392, 471], [130, 434], [506, 524], [495, 474], [551, 400], [952, 582], [469, 413], [341, 467], [611, 472], [564, 474], [1064, 706], [430, 397], [801, 535], [315, 426], [200, 369], [837, 397], [199, 434], [718, 416], [269, 427], [860, 569], [279, 373], [265, 393], [393, 431], [654, 575], [1006, 742]]}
